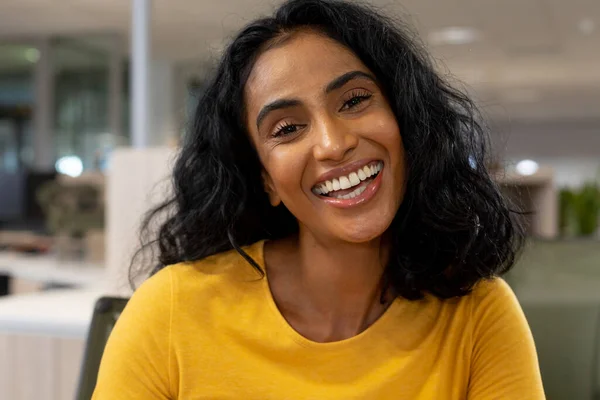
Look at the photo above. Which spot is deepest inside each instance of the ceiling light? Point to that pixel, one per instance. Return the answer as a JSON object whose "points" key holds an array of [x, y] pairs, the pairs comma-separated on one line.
{"points": [[69, 165], [527, 167], [454, 35], [586, 26]]}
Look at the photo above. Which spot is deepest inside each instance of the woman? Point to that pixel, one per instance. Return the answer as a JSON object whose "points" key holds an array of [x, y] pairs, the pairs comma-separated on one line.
{"points": [[333, 233]]}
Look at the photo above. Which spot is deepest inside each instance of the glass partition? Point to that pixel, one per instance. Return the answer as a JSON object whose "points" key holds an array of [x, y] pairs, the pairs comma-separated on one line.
{"points": [[17, 63], [82, 94]]}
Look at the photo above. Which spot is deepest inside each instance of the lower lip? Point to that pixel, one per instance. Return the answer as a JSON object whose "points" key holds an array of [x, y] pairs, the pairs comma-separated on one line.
{"points": [[362, 198]]}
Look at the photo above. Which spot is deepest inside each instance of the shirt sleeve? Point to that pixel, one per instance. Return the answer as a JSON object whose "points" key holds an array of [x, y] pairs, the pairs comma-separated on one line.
{"points": [[504, 362], [136, 363]]}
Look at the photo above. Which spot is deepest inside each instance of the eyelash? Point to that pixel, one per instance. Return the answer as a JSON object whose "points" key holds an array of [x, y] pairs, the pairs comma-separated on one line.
{"points": [[356, 95], [280, 130]]}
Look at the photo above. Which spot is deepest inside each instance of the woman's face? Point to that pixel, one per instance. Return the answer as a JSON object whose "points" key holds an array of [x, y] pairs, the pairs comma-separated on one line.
{"points": [[327, 138]]}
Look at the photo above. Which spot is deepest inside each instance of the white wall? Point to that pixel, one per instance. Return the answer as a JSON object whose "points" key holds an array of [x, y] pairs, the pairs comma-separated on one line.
{"points": [[138, 180]]}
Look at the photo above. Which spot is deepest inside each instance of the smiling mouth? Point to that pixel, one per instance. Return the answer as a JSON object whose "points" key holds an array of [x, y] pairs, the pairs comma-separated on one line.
{"points": [[351, 185]]}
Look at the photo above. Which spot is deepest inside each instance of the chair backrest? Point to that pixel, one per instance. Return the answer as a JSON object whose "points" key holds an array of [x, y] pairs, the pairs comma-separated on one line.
{"points": [[106, 313], [566, 337]]}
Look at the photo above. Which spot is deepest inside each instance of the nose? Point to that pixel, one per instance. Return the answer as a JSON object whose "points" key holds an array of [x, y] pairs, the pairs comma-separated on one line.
{"points": [[334, 141]]}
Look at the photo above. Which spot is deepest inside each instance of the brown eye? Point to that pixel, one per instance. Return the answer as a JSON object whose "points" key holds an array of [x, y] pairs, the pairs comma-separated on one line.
{"points": [[286, 129], [356, 99]]}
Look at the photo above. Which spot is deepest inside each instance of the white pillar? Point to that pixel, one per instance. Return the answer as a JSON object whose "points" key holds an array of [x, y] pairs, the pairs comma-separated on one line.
{"points": [[43, 115], [140, 59]]}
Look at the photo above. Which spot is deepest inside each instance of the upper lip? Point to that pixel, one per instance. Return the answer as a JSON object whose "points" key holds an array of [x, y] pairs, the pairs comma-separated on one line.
{"points": [[343, 171]]}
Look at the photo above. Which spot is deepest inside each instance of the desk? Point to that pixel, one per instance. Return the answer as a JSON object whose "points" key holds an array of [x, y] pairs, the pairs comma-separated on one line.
{"points": [[42, 334], [55, 313], [48, 269], [42, 340]]}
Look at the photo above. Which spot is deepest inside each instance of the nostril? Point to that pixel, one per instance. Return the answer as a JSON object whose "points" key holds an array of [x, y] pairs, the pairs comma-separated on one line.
{"points": [[335, 147]]}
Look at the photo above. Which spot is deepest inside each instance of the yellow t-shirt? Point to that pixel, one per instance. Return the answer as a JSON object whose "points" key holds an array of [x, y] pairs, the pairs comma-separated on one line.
{"points": [[211, 330]]}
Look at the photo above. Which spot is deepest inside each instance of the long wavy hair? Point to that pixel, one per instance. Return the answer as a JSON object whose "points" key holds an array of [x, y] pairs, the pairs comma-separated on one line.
{"points": [[453, 228]]}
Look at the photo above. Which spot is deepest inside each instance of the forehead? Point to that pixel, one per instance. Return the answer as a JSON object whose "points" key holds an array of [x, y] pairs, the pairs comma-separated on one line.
{"points": [[305, 62]]}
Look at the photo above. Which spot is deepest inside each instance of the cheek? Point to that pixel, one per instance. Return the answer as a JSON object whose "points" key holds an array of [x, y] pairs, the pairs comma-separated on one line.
{"points": [[285, 167], [388, 136], [385, 132], [392, 140], [389, 126]]}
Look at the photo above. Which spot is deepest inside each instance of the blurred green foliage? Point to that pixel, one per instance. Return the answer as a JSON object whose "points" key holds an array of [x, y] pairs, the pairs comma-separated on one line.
{"points": [[579, 210]]}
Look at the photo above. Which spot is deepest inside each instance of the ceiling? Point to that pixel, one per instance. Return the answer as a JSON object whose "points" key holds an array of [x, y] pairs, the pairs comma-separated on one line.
{"points": [[534, 59]]}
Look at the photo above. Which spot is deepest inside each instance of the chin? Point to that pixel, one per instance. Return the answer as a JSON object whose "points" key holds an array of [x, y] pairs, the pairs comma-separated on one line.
{"points": [[363, 232]]}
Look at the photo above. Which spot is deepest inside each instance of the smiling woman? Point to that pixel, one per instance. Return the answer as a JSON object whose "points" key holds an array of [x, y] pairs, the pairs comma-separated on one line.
{"points": [[333, 233], [323, 120]]}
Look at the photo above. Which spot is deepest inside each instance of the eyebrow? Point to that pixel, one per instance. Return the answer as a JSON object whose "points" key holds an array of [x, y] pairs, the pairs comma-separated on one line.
{"points": [[276, 105], [337, 83], [347, 77]]}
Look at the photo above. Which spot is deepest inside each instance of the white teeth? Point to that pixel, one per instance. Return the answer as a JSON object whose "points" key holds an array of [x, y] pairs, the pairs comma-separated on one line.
{"points": [[352, 194], [336, 184], [345, 182], [361, 175]]}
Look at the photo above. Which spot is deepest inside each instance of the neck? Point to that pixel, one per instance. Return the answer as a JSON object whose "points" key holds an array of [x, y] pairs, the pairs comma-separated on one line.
{"points": [[338, 272], [336, 287]]}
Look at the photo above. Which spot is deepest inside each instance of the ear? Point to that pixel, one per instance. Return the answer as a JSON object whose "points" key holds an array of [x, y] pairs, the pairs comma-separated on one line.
{"points": [[274, 198]]}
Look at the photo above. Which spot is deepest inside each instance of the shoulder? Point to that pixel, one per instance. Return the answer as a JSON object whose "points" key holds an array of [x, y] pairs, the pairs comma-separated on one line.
{"points": [[503, 359], [496, 312], [221, 281], [485, 294], [220, 271], [492, 294], [490, 308], [228, 266], [492, 289], [493, 286]]}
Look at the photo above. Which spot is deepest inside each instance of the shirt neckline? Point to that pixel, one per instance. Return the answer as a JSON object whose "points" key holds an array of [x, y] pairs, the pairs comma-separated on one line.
{"points": [[374, 330]]}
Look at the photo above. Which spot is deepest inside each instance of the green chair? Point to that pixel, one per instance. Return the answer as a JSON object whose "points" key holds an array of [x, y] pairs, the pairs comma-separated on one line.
{"points": [[567, 341], [106, 313]]}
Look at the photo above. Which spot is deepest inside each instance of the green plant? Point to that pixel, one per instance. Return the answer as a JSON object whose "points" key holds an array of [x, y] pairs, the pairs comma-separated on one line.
{"points": [[566, 219], [579, 210], [587, 208]]}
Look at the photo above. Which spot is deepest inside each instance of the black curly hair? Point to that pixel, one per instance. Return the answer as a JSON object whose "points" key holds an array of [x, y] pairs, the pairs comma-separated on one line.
{"points": [[453, 228]]}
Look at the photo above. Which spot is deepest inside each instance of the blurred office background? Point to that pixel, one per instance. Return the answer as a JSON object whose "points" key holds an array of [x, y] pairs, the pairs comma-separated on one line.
{"points": [[90, 121]]}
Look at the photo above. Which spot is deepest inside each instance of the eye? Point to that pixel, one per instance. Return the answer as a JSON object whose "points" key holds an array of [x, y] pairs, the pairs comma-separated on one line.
{"points": [[356, 98], [286, 129]]}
